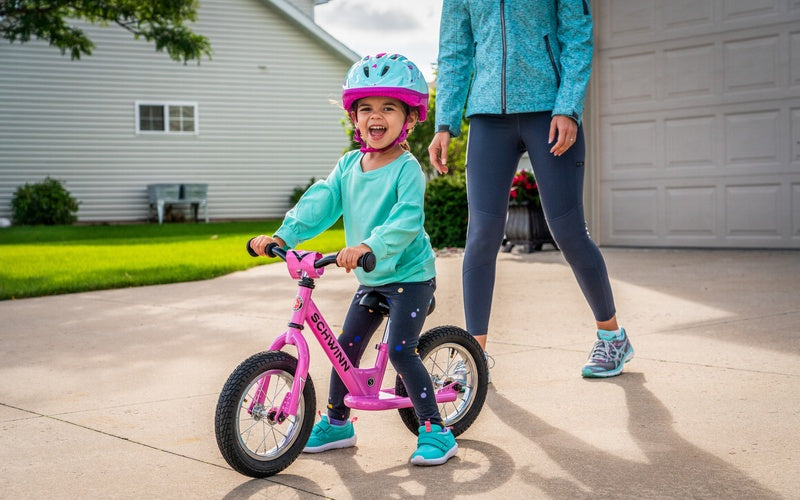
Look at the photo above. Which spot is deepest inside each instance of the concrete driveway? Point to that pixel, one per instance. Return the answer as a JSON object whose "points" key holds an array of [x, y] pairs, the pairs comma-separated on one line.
{"points": [[112, 394]]}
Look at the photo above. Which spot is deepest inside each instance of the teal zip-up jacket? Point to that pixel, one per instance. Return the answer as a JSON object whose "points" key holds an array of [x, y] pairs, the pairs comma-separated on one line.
{"points": [[512, 56], [382, 208]]}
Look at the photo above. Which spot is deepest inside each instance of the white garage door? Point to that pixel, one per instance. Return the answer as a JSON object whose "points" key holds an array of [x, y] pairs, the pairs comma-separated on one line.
{"points": [[697, 117]]}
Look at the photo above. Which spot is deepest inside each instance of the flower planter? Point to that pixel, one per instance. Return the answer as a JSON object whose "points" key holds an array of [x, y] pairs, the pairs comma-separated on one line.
{"points": [[526, 227]]}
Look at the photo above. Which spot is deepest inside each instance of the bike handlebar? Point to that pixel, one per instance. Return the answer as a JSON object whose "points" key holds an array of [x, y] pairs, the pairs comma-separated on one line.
{"points": [[366, 261]]}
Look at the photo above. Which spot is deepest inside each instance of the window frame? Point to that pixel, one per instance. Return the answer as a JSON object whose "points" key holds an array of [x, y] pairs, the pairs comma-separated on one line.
{"points": [[165, 105]]}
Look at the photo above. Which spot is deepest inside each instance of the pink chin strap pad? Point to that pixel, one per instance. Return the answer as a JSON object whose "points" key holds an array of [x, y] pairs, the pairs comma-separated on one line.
{"points": [[366, 149]]}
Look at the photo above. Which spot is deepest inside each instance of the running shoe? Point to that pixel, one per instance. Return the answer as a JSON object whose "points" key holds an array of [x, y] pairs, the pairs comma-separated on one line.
{"points": [[609, 354], [460, 369]]}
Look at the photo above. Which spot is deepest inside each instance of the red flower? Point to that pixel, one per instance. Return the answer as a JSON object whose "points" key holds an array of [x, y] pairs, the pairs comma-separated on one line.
{"points": [[524, 188]]}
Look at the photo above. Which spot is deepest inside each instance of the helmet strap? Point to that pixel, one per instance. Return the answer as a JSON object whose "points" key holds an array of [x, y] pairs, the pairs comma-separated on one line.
{"points": [[366, 149]]}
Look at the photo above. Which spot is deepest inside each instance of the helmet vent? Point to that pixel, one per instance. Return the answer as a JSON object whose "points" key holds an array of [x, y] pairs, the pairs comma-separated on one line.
{"points": [[366, 71], [384, 70]]}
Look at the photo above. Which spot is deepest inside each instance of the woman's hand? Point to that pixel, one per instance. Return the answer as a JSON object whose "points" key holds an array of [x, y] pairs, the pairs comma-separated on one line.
{"points": [[438, 151], [348, 256], [566, 129]]}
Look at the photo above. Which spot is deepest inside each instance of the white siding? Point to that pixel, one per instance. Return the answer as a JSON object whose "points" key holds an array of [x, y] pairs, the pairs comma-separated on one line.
{"points": [[268, 118], [696, 116]]}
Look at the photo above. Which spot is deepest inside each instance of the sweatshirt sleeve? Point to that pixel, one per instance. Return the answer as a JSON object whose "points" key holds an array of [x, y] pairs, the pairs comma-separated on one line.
{"points": [[455, 66], [575, 37], [406, 218], [317, 210]]}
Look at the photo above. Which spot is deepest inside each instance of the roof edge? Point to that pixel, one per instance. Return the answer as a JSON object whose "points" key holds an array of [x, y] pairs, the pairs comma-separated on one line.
{"points": [[304, 22]]}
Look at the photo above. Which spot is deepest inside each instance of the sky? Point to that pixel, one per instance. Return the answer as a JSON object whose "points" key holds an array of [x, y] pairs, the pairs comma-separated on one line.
{"points": [[407, 27]]}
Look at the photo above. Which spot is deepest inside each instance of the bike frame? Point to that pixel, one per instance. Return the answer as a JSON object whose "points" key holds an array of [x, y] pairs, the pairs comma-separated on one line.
{"points": [[363, 384]]}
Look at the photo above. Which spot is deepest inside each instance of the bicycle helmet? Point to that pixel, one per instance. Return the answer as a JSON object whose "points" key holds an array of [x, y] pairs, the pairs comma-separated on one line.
{"points": [[386, 75]]}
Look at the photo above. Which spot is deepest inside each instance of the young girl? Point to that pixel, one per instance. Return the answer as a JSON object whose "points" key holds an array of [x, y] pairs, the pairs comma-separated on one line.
{"points": [[379, 191]]}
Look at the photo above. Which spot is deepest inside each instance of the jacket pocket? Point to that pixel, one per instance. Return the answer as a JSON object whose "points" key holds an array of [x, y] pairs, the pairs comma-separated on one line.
{"points": [[552, 60]]}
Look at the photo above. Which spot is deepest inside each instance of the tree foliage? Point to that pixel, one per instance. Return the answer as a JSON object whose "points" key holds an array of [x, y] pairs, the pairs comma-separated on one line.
{"points": [[158, 21]]}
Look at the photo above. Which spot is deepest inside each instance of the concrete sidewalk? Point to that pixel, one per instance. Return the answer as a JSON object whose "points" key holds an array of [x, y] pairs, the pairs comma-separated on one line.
{"points": [[112, 394]]}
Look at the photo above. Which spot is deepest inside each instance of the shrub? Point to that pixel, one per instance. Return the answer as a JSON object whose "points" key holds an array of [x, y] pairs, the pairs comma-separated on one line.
{"points": [[446, 211], [46, 203], [299, 191]]}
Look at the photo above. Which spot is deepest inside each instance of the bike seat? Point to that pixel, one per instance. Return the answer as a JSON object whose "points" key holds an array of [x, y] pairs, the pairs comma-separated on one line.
{"points": [[377, 302]]}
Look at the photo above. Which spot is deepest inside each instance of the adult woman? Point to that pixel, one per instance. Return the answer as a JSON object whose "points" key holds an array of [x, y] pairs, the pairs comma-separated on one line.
{"points": [[522, 68]]}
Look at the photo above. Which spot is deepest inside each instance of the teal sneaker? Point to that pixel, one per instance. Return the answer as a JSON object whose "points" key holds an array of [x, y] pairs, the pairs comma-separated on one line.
{"points": [[609, 354], [435, 445], [325, 436]]}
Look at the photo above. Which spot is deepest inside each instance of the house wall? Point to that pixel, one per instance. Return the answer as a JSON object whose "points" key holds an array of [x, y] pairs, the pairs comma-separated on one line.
{"points": [[268, 118]]}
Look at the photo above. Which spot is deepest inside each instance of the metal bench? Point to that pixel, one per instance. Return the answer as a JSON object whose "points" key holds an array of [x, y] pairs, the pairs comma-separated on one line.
{"points": [[191, 195]]}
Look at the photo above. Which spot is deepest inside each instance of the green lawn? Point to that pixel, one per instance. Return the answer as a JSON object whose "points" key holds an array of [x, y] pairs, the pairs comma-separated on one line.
{"points": [[48, 260]]}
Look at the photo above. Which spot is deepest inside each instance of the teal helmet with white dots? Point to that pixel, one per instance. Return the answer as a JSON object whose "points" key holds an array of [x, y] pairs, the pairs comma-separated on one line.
{"points": [[386, 75]]}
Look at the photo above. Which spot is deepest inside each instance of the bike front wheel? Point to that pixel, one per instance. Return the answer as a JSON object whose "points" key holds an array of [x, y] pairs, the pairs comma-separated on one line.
{"points": [[253, 436], [451, 355]]}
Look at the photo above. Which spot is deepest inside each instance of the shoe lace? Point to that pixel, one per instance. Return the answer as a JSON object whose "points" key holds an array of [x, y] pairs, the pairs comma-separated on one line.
{"points": [[489, 360], [605, 351]]}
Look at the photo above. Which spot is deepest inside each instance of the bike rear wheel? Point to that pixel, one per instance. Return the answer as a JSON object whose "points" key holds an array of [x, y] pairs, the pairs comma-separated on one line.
{"points": [[258, 442], [450, 354]]}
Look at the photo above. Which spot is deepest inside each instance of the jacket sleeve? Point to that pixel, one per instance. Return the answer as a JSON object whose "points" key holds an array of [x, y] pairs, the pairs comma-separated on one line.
{"points": [[406, 218], [575, 38], [317, 210], [455, 65]]}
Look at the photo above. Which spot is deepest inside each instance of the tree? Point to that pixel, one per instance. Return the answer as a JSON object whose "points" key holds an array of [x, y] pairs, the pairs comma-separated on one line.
{"points": [[158, 21]]}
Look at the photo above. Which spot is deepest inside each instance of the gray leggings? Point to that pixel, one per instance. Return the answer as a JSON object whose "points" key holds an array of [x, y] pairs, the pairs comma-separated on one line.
{"points": [[496, 143]]}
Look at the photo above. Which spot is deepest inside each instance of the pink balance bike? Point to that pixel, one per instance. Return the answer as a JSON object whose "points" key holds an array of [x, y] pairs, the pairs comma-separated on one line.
{"points": [[266, 409]]}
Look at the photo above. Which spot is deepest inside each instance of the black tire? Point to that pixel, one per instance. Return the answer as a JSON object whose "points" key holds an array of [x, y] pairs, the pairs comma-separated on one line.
{"points": [[242, 436], [441, 349]]}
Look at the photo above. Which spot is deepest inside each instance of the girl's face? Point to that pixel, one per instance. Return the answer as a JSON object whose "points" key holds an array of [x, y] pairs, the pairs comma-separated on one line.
{"points": [[380, 120]]}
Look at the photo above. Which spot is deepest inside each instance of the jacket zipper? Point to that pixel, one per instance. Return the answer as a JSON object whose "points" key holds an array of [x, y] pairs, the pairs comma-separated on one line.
{"points": [[552, 60], [503, 69]]}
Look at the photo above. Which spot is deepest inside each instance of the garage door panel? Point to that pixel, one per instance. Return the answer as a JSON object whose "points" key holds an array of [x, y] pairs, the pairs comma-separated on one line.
{"points": [[690, 143], [794, 55], [686, 71], [752, 138], [691, 212], [752, 211], [635, 214], [738, 9], [632, 145], [795, 141], [632, 78], [751, 64], [795, 222]]}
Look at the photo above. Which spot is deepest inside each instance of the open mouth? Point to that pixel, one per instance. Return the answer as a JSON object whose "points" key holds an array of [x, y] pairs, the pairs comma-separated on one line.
{"points": [[376, 132]]}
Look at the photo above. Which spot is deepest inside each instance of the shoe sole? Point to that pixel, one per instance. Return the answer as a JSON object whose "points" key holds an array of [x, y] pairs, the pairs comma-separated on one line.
{"points": [[420, 460], [333, 445], [610, 373]]}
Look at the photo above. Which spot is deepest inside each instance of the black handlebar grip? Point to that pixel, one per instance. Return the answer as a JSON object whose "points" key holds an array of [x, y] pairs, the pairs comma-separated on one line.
{"points": [[250, 250], [367, 262], [268, 250]]}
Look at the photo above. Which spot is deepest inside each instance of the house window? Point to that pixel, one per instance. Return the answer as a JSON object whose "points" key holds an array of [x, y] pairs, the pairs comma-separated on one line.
{"points": [[166, 118]]}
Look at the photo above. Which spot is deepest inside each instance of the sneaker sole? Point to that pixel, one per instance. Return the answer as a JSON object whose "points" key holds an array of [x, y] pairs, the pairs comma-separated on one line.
{"points": [[333, 445], [610, 373], [420, 460]]}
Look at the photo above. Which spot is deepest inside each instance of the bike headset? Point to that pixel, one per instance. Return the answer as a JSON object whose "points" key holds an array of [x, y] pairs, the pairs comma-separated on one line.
{"points": [[385, 75]]}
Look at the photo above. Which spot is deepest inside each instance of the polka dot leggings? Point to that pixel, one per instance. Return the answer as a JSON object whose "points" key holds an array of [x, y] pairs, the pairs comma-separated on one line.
{"points": [[408, 304]]}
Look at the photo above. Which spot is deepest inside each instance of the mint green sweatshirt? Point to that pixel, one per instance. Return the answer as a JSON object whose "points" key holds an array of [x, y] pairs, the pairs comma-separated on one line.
{"points": [[382, 209]]}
